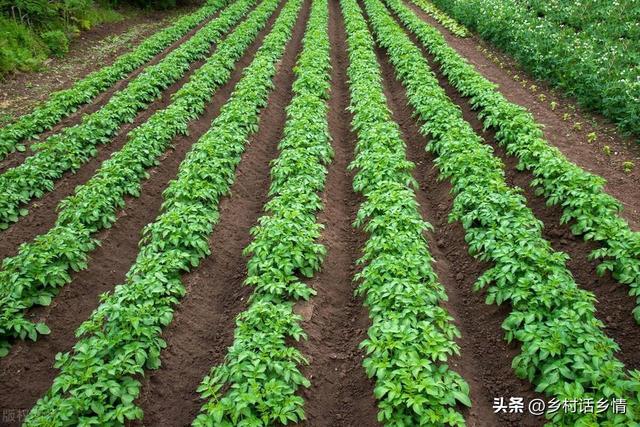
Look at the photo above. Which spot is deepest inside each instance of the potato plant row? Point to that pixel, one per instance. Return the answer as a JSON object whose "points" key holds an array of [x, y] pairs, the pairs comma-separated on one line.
{"points": [[412, 335], [71, 148], [44, 265], [258, 381], [592, 212], [601, 74], [444, 19], [63, 103], [564, 350], [99, 378]]}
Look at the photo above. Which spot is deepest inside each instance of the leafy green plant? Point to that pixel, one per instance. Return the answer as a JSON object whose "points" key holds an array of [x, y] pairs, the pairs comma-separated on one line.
{"points": [[283, 251], [56, 41], [63, 103], [69, 149], [122, 337], [411, 335], [628, 166], [20, 49], [593, 64], [587, 208], [592, 137], [44, 265], [564, 350], [446, 21]]}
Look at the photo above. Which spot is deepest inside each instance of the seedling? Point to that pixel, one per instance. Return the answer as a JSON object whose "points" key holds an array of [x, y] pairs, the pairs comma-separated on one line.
{"points": [[542, 97], [606, 150], [592, 137], [566, 116], [554, 105], [628, 167], [577, 126], [533, 88]]}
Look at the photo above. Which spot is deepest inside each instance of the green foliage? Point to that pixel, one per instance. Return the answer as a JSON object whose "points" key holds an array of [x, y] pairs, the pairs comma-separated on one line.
{"points": [[63, 103], [73, 146], [42, 27], [411, 336], [446, 21], [155, 4], [259, 379], [590, 211], [31, 30], [56, 41], [97, 384], [564, 350], [44, 265], [19, 48], [593, 58], [617, 21]]}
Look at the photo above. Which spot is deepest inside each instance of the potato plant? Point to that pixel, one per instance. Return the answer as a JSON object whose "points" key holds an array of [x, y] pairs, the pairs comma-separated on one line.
{"points": [[412, 335], [600, 72], [258, 381], [444, 19], [99, 378], [42, 266], [564, 350], [590, 211], [74, 146], [63, 103]]}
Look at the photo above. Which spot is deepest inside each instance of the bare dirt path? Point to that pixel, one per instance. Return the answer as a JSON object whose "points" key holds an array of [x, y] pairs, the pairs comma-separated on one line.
{"points": [[335, 320]]}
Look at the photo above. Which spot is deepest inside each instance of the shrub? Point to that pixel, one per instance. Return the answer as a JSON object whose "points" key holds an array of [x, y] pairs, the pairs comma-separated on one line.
{"points": [[19, 47], [56, 41]]}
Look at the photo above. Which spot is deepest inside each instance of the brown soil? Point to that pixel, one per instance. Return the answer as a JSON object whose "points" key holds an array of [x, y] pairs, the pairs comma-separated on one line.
{"points": [[614, 305], [203, 324], [27, 372], [101, 46], [335, 320], [560, 133], [42, 212], [485, 357]]}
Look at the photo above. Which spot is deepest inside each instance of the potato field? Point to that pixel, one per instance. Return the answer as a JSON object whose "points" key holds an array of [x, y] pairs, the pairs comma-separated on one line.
{"points": [[332, 213]]}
